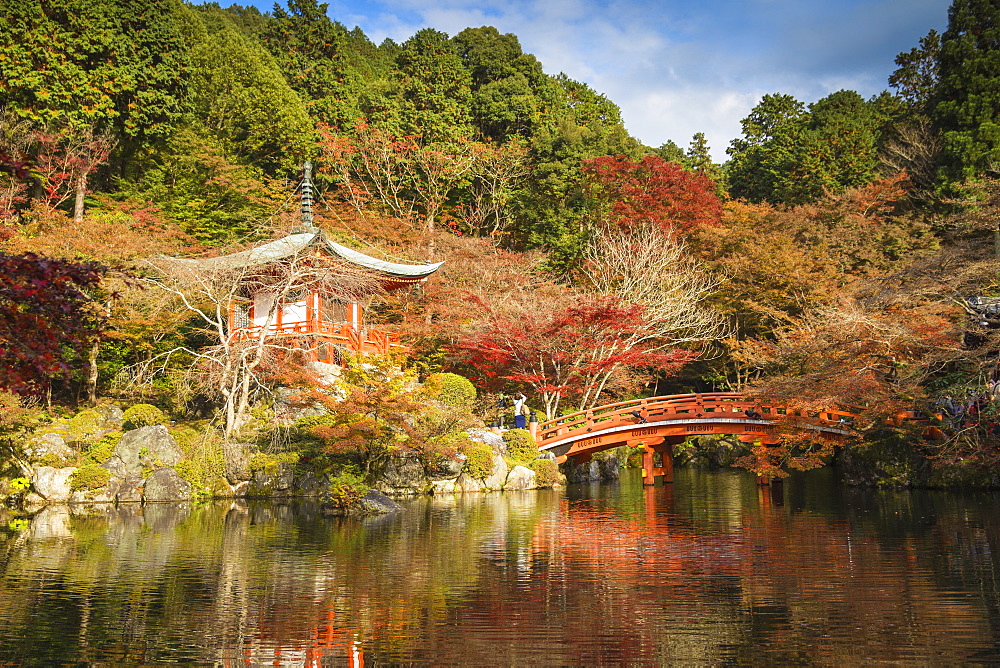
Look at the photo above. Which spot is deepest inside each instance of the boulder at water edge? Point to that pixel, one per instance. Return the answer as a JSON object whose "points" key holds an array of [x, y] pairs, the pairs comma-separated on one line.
{"points": [[52, 484], [498, 477], [376, 503], [165, 485], [520, 477], [147, 446]]}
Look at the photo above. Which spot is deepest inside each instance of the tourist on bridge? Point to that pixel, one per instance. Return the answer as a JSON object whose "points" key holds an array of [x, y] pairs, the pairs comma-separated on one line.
{"points": [[520, 419]]}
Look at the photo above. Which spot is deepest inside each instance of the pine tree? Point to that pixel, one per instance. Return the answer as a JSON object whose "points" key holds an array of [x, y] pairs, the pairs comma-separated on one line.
{"points": [[966, 108]]}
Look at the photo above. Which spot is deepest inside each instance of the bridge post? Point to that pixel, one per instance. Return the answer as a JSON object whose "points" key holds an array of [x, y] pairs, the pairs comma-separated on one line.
{"points": [[667, 452], [647, 466]]}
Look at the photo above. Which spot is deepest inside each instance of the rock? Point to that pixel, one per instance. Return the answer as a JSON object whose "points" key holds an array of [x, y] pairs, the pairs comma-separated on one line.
{"points": [[286, 476], [48, 444], [325, 374], [116, 467], [404, 473], [520, 477], [241, 489], [111, 416], [165, 485], [545, 454], [446, 468], [376, 503], [52, 483], [498, 477], [495, 441], [466, 483], [439, 487], [150, 446], [288, 409], [587, 472], [310, 484], [130, 489], [237, 462], [609, 464]]}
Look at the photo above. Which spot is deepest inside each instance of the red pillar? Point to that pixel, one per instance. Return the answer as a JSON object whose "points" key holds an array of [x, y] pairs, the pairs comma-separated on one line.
{"points": [[647, 466]]}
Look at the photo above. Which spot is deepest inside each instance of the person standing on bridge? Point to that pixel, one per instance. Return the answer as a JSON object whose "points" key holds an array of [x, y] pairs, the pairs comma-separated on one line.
{"points": [[520, 421]]}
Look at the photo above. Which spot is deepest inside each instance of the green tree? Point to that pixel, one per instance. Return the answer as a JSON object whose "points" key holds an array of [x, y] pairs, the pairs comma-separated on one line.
{"points": [[510, 91], [116, 66], [791, 155], [553, 206], [328, 65], [966, 108], [435, 89], [760, 156], [916, 78], [242, 98]]}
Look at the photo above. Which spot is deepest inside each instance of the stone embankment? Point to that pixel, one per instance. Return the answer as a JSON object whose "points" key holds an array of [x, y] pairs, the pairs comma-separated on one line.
{"points": [[143, 467]]}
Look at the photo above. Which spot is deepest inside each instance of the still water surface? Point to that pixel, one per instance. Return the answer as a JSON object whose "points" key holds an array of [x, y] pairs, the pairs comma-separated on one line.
{"points": [[710, 570]]}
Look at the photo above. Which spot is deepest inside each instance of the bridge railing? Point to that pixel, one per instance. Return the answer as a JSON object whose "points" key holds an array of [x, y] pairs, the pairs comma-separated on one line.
{"points": [[679, 407]]}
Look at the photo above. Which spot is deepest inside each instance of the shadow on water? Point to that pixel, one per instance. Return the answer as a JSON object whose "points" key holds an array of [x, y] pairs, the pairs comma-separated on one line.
{"points": [[712, 569]]}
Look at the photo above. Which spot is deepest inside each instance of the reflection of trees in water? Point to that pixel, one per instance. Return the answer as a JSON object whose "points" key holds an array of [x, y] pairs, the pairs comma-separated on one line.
{"points": [[715, 571]]}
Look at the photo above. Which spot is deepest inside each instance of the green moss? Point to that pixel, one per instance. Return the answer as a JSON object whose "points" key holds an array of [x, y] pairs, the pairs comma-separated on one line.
{"points": [[521, 447], [271, 463], [450, 388], [89, 476], [546, 472], [84, 426], [478, 460], [142, 415], [102, 451]]}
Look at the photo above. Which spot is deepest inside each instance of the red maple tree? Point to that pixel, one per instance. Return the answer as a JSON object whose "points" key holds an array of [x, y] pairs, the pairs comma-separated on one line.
{"points": [[652, 190], [45, 318], [569, 351]]}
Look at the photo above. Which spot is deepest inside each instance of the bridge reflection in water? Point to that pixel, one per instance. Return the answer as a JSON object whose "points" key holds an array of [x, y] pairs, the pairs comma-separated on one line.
{"points": [[657, 424]]}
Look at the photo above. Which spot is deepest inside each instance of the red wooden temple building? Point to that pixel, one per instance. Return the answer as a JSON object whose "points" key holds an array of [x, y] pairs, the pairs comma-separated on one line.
{"points": [[322, 313]]}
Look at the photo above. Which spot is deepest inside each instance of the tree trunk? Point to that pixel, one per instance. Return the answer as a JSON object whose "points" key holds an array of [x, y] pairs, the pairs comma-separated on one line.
{"points": [[81, 190], [92, 374]]}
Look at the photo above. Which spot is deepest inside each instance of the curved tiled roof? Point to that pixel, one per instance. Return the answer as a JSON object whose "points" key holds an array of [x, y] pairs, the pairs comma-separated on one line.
{"points": [[299, 241]]}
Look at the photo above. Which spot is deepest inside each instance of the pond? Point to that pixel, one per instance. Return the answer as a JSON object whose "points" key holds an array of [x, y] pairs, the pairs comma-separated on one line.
{"points": [[712, 569]]}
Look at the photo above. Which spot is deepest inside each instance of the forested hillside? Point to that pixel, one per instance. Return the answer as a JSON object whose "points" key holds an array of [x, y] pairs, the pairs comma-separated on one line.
{"points": [[831, 260]]}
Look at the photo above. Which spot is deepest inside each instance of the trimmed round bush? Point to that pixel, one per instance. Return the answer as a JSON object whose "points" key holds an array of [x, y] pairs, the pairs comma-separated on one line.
{"points": [[142, 415], [478, 460], [450, 388], [521, 447], [546, 472]]}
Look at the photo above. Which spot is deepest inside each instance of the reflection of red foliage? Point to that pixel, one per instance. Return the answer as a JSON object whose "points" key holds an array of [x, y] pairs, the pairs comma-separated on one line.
{"points": [[43, 315], [653, 190]]}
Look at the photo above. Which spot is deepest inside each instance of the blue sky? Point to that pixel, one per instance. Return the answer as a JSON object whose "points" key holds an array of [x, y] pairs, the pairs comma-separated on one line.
{"points": [[677, 67]]}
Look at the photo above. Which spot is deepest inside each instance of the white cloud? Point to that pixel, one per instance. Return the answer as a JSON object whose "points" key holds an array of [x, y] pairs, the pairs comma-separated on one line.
{"points": [[675, 67]]}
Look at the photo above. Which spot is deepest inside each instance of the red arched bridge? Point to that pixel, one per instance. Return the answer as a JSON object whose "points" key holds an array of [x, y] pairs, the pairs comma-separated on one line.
{"points": [[659, 423]]}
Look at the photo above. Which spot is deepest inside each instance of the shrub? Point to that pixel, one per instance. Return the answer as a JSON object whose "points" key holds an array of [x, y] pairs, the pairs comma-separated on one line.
{"points": [[478, 460], [84, 425], [450, 388], [142, 415], [101, 451], [346, 490], [269, 463], [89, 476], [521, 447], [546, 472]]}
